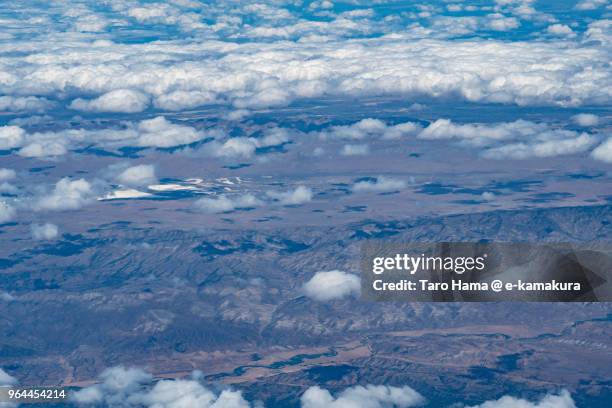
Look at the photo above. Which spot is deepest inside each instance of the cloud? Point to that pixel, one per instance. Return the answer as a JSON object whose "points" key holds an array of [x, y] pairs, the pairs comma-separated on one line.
{"points": [[7, 212], [67, 195], [43, 148], [258, 73], [560, 30], [603, 152], [116, 386], [7, 174], [544, 148], [6, 379], [515, 140], [159, 132], [226, 203], [23, 104], [119, 100], [586, 119], [245, 147], [45, 231], [355, 150], [499, 22], [133, 387], [370, 396], [188, 393], [141, 175], [380, 185], [561, 400], [326, 286], [235, 147], [590, 4], [11, 137], [369, 128], [299, 195]]}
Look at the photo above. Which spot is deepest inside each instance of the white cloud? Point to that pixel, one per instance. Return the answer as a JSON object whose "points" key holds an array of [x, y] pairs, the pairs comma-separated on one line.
{"points": [[6, 379], [381, 184], [554, 146], [67, 195], [188, 393], [44, 148], [488, 196], [561, 400], [299, 195], [23, 104], [179, 100], [226, 203], [132, 387], [119, 100], [325, 286], [141, 175], [590, 4], [370, 396], [7, 212], [116, 386], [586, 119], [603, 152], [516, 140], [5, 297], [271, 73], [159, 132], [7, 174], [368, 128], [11, 137], [45, 231], [560, 30], [499, 22], [235, 147], [355, 150]]}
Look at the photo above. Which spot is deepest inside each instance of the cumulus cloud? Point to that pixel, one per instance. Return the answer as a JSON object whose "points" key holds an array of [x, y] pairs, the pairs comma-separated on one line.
{"points": [[603, 152], [299, 195], [189, 393], [586, 119], [7, 212], [44, 148], [46, 231], [499, 22], [67, 195], [235, 147], [516, 140], [355, 150], [561, 400], [6, 379], [379, 185], [590, 4], [369, 128], [159, 132], [326, 286], [560, 30], [23, 104], [370, 396], [119, 100], [245, 147], [116, 385], [11, 137], [179, 75], [7, 174], [141, 175], [133, 387], [226, 203]]}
